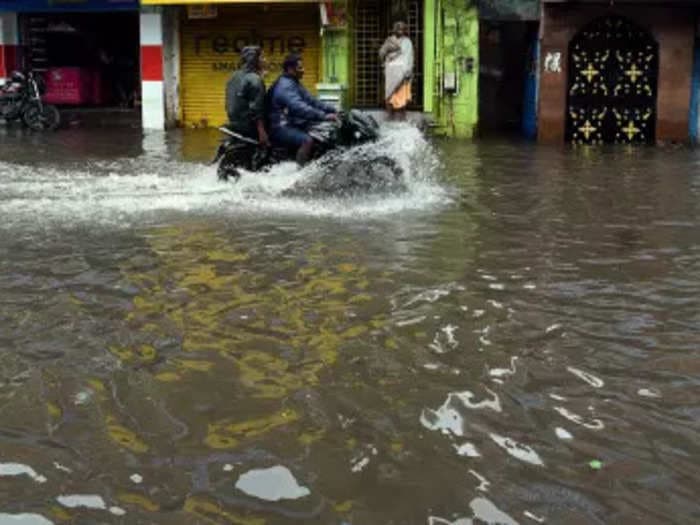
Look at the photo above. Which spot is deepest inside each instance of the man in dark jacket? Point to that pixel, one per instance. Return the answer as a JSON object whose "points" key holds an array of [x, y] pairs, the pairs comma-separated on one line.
{"points": [[245, 97], [292, 109]]}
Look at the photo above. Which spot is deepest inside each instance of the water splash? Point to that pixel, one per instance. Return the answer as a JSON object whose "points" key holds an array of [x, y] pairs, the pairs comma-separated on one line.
{"points": [[132, 191]]}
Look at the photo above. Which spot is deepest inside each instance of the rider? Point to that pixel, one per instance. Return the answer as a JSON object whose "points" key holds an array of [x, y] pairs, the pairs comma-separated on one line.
{"points": [[292, 110], [245, 97]]}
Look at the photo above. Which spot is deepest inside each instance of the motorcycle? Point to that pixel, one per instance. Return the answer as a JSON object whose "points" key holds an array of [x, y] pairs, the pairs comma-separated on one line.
{"points": [[353, 128], [20, 99]]}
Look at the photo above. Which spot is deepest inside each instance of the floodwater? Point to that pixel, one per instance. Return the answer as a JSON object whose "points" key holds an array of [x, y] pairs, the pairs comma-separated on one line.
{"points": [[515, 339]]}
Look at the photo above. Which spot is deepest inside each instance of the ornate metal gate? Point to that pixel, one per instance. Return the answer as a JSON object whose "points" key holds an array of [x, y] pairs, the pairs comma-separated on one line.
{"points": [[613, 72], [372, 21]]}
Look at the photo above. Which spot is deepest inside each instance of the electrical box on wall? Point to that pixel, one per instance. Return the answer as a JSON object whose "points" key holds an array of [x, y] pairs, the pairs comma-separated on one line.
{"points": [[450, 82]]}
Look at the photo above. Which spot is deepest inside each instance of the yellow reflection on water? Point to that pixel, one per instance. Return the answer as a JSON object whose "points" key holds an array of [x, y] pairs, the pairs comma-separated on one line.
{"points": [[271, 327]]}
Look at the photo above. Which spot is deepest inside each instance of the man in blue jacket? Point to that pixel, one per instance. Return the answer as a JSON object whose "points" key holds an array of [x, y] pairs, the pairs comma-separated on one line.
{"points": [[292, 110]]}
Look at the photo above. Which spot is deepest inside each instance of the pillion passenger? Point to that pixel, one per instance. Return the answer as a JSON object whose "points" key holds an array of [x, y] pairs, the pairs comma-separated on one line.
{"points": [[245, 97], [292, 110]]}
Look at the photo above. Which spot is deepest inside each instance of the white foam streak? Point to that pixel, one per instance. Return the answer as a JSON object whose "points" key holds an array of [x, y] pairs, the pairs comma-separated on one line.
{"points": [[589, 378], [271, 484], [467, 449], [23, 519], [18, 469], [445, 339], [517, 450], [88, 501], [594, 424], [501, 372], [485, 511], [649, 392], [449, 419], [484, 483], [562, 433]]}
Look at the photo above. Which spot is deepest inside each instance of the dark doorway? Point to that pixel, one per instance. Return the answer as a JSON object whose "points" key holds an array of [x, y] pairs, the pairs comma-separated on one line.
{"points": [[505, 60], [613, 74], [372, 21], [88, 59]]}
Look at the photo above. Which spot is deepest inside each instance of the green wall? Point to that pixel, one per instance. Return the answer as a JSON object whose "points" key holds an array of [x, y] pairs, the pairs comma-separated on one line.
{"points": [[457, 52], [336, 56]]}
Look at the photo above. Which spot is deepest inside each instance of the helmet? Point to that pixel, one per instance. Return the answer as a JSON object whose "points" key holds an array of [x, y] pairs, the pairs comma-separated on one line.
{"points": [[17, 76]]}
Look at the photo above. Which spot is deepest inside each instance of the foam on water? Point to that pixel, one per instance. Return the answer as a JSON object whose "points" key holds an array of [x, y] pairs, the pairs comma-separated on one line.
{"points": [[271, 484], [127, 191], [18, 469]]}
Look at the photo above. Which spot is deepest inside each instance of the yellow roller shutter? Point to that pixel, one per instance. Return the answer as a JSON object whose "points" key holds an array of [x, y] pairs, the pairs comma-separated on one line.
{"points": [[210, 52]]}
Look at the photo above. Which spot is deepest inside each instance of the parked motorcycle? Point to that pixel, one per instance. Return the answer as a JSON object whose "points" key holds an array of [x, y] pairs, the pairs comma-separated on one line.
{"points": [[237, 152], [20, 99]]}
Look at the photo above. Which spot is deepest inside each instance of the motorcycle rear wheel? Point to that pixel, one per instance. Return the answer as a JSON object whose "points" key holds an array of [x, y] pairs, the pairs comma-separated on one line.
{"points": [[227, 169], [46, 118]]}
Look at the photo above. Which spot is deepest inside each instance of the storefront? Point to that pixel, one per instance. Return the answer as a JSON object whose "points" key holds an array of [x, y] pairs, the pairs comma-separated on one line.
{"points": [[87, 50], [211, 40], [195, 47]]}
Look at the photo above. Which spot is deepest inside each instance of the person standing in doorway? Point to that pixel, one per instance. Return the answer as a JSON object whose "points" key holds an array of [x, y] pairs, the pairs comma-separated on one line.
{"points": [[397, 56]]}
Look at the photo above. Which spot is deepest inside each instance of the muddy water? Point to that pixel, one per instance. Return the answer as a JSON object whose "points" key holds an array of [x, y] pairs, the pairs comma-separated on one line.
{"points": [[514, 340]]}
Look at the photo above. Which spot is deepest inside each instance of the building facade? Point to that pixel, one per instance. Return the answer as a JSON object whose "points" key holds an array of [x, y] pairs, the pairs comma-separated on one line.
{"points": [[87, 50], [617, 73], [338, 40]]}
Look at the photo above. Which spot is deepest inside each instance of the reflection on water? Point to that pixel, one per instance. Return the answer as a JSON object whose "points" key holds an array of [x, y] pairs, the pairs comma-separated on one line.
{"points": [[513, 340]]}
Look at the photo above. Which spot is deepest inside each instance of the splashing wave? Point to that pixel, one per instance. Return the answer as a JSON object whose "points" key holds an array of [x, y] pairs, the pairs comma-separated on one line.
{"points": [[133, 190]]}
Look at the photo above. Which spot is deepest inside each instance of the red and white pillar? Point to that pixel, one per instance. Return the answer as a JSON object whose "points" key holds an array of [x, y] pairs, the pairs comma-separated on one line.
{"points": [[9, 41], [152, 92]]}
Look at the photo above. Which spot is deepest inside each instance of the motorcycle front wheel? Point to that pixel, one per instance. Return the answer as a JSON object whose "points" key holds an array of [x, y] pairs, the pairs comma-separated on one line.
{"points": [[40, 119]]}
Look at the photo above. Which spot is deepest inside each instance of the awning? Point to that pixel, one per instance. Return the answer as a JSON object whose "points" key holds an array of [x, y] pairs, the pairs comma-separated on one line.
{"points": [[53, 6]]}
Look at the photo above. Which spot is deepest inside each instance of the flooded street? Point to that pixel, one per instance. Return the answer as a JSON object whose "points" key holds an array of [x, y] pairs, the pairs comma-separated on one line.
{"points": [[514, 339]]}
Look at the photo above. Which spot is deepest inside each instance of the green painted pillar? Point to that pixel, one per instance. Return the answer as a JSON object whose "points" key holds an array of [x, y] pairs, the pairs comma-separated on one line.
{"points": [[429, 62], [457, 76], [335, 49]]}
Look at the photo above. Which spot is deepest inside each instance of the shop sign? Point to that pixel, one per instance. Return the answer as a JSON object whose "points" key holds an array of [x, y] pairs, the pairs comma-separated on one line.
{"points": [[202, 11], [229, 46]]}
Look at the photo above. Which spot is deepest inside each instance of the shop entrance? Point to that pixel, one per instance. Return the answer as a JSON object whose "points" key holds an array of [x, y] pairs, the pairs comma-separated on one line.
{"points": [[613, 72], [210, 51], [87, 59], [373, 20]]}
